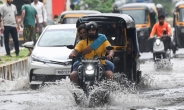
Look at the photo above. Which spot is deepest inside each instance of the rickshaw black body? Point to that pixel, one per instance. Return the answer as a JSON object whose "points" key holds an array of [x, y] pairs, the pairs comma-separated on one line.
{"points": [[178, 24], [120, 31], [144, 23]]}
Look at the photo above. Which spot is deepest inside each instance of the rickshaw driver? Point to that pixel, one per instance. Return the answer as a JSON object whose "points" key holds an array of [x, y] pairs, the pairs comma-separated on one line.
{"points": [[160, 9], [92, 30], [159, 28]]}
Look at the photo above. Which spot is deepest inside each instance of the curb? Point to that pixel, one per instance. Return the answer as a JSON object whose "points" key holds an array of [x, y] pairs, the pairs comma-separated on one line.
{"points": [[14, 70]]}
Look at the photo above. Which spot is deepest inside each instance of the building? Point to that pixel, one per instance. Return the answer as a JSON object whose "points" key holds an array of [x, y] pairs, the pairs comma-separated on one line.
{"points": [[53, 7]]}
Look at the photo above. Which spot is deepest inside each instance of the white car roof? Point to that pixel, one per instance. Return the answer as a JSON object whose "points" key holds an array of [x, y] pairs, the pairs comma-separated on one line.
{"points": [[62, 26]]}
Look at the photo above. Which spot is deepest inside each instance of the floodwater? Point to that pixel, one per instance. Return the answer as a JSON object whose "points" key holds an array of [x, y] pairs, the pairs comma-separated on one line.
{"points": [[162, 89]]}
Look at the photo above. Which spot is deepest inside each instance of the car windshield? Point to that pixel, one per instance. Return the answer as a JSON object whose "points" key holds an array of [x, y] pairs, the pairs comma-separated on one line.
{"points": [[181, 15], [69, 20], [138, 15], [57, 37]]}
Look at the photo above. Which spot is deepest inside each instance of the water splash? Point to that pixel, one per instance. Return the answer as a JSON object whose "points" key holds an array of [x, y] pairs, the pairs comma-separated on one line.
{"points": [[17, 84], [57, 96]]}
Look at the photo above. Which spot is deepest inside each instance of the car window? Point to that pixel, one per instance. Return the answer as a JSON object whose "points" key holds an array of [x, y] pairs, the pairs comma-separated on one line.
{"points": [[57, 37], [69, 20]]}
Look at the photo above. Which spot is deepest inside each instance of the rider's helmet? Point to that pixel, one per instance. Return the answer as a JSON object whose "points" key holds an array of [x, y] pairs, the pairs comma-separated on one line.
{"points": [[94, 26], [159, 6]]}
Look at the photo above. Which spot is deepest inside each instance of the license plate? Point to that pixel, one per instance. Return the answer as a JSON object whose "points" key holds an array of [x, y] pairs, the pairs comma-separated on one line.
{"points": [[62, 72]]}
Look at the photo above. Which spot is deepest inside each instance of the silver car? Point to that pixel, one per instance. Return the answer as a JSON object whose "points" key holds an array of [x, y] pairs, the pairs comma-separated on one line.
{"points": [[49, 60]]}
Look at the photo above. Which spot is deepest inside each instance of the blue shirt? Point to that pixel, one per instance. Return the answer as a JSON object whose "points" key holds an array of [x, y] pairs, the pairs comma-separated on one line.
{"points": [[99, 41]]}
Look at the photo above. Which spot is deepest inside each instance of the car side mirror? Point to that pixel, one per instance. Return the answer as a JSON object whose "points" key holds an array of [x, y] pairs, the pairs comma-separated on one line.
{"points": [[109, 47], [29, 45], [70, 46]]}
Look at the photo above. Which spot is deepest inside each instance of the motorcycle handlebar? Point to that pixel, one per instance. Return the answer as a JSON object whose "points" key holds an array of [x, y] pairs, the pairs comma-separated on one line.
{"points": [[74, 57], [164, 36], [102, 58]]}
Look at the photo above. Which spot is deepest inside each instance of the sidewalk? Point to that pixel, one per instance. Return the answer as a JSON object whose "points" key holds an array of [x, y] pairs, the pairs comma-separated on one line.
{"points": [[3, 52]]}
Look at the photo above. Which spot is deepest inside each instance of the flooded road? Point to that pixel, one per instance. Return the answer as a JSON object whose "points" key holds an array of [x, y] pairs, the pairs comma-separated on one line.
{"points": [[158, 90]]}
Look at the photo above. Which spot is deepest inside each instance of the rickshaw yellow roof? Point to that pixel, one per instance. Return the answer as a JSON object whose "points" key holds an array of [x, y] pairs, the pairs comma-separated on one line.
{"points": [[73, 15], [181, 6], [133, 8]]}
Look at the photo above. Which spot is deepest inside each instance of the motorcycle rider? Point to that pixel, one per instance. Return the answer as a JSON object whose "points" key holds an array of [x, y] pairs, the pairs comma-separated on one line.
{"points": [[83, 35], [159, 28], [92, 35]]}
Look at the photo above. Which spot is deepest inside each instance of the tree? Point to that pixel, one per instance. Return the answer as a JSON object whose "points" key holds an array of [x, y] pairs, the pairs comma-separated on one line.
{"points": [[104, 6]]}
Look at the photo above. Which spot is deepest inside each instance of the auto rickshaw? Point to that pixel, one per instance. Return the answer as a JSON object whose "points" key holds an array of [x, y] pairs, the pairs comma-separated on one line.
{"points": [[145, 16], [120, 31], [70, 17], [178, 24]]}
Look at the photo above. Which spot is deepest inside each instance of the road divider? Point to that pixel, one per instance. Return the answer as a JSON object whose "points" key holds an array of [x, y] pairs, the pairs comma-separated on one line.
{"points": [[14, 70]]}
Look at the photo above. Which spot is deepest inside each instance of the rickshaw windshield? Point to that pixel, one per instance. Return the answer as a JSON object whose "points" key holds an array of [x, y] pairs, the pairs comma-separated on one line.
{"points": [[114, 33], [69, 20], [138, 15], [181, 15]]}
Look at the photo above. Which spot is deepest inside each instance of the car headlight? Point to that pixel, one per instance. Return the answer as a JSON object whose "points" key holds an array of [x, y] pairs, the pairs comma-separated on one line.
{"points": [[182, 30], [89, 70], [38, 59], [141, 33]]}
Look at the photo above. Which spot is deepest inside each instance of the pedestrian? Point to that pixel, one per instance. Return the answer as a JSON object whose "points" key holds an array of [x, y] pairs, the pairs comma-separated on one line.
{"points": [[1, 32], [28, 18], [56, 19], [115, 9], [10, 25], [42, 14], [72, 6]]}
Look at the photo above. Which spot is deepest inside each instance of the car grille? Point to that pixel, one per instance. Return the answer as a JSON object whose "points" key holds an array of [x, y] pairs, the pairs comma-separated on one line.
{"points": [[48, 78]]}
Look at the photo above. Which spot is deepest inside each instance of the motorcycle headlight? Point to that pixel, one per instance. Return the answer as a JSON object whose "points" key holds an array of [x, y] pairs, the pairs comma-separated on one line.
{"points": [[158, 42], [89, 70], [182, 30], [89, 67]]}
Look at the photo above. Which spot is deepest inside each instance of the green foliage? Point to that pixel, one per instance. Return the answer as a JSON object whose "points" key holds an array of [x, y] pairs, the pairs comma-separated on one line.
{"points": [[22, 54], [168, 5], [104, 6], [77, 7]]}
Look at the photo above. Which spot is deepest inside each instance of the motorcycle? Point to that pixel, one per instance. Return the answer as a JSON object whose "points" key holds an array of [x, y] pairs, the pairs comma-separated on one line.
{"points": [[90, 72], [161, 56]]}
